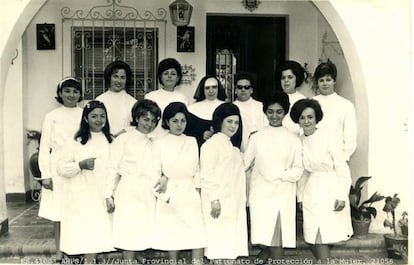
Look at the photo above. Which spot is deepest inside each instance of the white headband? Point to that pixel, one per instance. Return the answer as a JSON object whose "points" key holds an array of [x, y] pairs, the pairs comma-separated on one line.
{"points": [[66, 79]]}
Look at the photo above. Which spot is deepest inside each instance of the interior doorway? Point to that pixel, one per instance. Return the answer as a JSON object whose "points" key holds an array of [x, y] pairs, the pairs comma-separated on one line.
{"points": [[258, 43]]}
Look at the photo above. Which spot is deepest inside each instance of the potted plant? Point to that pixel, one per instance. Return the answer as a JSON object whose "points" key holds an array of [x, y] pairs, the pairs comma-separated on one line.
{"points": [[396, 244], [33, 135], [403, 223], [362, 213]]}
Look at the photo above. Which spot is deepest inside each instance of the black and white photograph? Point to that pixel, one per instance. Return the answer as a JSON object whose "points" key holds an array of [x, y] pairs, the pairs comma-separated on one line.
{"points": [[289, 141]]}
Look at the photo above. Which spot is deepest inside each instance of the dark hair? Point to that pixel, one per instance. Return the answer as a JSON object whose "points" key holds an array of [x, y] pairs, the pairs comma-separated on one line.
{"points": [[304, 103], [223, 111], [68, 82], [171, 110], [142, 107], [169, 63], [199, 94], [296, 69], [114, 66], [243, 75], [323, 69], [279, 97], [84, 132]]}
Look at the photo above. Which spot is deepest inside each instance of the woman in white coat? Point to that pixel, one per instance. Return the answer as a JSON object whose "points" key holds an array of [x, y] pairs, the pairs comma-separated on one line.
{"points": [[291, 76], [118, 76], [179, 221], [59, 128], [276, 156], [223, 187], [86, 226], [134, 169], [339, 113], [169, 75], [323, 189]]}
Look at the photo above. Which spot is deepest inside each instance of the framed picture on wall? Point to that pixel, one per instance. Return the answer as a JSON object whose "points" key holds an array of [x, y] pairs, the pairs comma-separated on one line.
{"points": [[185, 39], [45, 36]]}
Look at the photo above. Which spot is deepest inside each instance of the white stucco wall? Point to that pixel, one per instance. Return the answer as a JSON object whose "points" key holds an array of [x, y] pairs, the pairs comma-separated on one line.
{"points": [[381, 34], [13, 121]]}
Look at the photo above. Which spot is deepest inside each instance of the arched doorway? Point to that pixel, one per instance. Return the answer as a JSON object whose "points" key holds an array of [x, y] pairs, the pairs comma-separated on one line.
{"points": [[29, 8]]}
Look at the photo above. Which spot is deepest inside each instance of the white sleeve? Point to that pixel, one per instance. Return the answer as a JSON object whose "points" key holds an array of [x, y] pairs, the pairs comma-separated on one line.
{"points": [[45, 147], [210, 183], [115, 156], [68, 166], [343, 173], [250, 152], [294, 172], [301, 185], [350, 132], [196, 161]]}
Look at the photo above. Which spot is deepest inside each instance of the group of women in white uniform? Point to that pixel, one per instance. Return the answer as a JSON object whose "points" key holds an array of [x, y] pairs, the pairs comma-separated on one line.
{"points": [[155, 183]]}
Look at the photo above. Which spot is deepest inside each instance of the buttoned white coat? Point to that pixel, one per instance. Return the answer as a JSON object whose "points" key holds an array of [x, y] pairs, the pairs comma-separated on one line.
{"points": [[59, 128], [276, 155], [223, 178], [85, 225], [134, 168]]}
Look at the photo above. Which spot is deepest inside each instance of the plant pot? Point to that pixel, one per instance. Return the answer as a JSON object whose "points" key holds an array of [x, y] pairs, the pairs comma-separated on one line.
{"points": [[397, 246], [34, 165], [361, 227]]}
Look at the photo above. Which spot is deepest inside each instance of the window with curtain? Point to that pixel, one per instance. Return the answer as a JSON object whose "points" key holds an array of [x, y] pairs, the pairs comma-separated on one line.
{"points": [[95, 47]]}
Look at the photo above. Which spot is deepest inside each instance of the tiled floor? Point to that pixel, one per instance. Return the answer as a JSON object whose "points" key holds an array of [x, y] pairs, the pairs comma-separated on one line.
{"points": [[30, 240]]}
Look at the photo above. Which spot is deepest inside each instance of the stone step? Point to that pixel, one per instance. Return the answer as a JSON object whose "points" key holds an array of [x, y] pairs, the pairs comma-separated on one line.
{"points": [[45, 245], [30, 240]]}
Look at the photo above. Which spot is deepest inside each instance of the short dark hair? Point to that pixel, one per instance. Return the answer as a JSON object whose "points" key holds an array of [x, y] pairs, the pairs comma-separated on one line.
{"points": [[304, 103], [279, 97], [170, 111], [223, 111], [323, 69], [84, 132], [296, 69], [142, 107], [114, 66], [169, 63], [243, 75], [68, 82], [199, 94]]}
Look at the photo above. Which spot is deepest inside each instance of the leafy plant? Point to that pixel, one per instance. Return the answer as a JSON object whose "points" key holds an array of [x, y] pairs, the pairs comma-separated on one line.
{"points": [[391, 204], [362, 211], [403, 223], [404, 219]]}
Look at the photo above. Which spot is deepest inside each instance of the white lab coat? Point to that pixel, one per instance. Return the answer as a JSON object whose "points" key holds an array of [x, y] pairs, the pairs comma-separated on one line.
{"points": [[179, 223], [223, 179], [253, 118], [277, 157], [339, 117], [85, 225], [59, 128], [287, 121], [133, 158], [328, 179], [163, 97], [118, 106]]}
